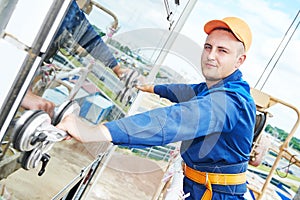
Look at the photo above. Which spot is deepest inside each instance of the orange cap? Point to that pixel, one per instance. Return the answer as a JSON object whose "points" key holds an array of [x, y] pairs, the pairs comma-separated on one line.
{"points": [[240, 29]]}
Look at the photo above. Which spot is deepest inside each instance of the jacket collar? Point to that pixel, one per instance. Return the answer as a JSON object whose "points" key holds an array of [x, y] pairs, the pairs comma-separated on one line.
{"points": [[236, 75]]}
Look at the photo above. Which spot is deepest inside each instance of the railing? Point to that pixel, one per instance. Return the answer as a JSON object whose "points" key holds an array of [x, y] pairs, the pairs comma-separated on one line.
{"points": [[157, 152]]}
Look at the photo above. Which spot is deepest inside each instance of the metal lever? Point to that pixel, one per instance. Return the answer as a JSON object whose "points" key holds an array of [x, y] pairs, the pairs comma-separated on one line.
{"points": [[54, 134], [45, 159], [39, 138]]}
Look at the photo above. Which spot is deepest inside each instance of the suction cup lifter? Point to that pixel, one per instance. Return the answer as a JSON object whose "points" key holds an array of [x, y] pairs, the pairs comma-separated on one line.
{"points": [[35, 133]]}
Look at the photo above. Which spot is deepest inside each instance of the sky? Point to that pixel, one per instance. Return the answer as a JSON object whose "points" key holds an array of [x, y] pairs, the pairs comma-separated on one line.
{"points": [[269, 22]]}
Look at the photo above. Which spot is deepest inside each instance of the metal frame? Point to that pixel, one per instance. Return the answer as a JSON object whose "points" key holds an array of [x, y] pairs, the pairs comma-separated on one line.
{"points": [[13, 100], [263, 102]]}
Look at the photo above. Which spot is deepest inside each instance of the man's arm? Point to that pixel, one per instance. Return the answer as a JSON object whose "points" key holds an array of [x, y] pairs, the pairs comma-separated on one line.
{"points": [[174, 92], [83, 131], [32, 101]]}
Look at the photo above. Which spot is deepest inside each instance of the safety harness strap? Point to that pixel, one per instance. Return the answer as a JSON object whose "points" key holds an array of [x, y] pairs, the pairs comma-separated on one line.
{"points": [[208, 179]]}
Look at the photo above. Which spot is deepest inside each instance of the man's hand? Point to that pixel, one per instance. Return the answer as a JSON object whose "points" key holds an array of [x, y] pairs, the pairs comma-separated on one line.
{"points": [[146, 88], [130, 76], [83, 131], [120, 72], [35, 102]]}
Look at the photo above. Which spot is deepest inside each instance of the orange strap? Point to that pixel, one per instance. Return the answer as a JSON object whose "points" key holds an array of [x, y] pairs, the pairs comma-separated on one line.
{"points": [[208, 179]]}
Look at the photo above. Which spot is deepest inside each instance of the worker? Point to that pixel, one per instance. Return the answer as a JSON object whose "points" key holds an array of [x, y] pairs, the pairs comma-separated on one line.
{"points": [[214, 119]]}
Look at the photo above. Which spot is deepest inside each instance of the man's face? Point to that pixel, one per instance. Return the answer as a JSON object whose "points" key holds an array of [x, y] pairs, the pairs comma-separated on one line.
{"points": [[222, 55]]}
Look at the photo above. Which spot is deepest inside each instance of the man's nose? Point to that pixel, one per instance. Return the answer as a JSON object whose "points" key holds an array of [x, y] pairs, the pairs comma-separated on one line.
{"points": [[211, 55]]}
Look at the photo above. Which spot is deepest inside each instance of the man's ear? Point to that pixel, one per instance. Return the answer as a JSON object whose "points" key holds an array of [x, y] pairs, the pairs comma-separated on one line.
{"points": [[240, 60]]}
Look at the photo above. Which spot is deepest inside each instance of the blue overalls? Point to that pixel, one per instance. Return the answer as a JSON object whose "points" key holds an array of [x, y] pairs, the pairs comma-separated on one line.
{"points": [[215, 126]]}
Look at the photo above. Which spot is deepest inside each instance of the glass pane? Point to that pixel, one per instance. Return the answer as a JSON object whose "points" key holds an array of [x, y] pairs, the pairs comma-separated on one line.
{"points": [[79, 65]]}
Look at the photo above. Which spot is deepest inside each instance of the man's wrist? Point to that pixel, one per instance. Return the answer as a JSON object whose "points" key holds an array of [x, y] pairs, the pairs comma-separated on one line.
{"points": [[104, 133]]}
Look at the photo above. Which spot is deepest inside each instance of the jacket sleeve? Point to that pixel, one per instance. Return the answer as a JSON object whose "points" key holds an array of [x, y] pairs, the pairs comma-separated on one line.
{"points": [[176, 92], [182, 121]]}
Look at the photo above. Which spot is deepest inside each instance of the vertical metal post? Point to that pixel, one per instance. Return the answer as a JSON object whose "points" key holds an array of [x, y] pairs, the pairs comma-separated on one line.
{"points": [[12, 100], [6, 9]]}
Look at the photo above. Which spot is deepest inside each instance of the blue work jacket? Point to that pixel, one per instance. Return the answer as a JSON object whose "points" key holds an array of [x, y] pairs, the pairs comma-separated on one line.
{"points": [[214, 124]]}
